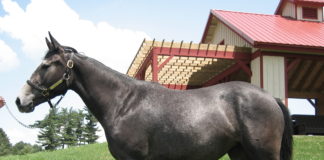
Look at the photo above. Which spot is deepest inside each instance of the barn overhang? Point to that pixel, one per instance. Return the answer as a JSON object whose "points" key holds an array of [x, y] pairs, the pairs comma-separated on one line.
{"points": [[180, 65]]}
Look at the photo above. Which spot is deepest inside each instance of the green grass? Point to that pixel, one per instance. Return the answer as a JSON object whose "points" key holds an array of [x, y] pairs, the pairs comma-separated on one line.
{"points": [[88, 152], [305, 148], [308, 147]]}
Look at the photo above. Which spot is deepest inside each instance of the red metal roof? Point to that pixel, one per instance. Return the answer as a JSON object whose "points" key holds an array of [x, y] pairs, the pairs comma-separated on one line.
{"points": [[273, 29]]}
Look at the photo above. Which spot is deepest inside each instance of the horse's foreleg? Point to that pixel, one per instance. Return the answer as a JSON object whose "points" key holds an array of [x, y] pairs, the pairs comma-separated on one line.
{"points": [[238, 153]]}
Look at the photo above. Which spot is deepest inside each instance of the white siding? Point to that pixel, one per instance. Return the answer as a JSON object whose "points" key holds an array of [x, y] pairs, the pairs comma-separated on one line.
{"points": [[299, 13], [289, 10], [274, 75], [320, 14], [222, 32], [255, 67]]}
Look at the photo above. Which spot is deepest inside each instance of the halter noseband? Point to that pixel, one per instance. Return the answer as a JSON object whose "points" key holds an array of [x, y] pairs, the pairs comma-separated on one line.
{"points": [[47, 91]]}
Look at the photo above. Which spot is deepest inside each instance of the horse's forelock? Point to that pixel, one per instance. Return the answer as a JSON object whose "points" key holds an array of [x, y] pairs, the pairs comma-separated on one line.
{"points": [[50, 53]]}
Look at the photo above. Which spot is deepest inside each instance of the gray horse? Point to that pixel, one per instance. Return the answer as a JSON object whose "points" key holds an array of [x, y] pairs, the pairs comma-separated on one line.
{"points": [[146, 121]]}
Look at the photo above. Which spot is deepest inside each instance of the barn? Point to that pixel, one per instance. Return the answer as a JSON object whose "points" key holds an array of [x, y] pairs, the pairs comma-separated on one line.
{"points": [[281, 53]]}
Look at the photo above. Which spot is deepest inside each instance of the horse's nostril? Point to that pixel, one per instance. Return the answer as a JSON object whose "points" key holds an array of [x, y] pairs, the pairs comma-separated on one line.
{"points": [[18, 102]]}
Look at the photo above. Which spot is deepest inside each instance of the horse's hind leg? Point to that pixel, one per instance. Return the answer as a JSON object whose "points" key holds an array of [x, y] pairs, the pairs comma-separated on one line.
{"points": [[238, 153], [263, 143], [257, 149]]}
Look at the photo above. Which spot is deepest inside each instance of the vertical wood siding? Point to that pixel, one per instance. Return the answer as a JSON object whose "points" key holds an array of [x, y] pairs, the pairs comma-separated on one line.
{"points": [[222, 32], [274, 75], [289, 10]]}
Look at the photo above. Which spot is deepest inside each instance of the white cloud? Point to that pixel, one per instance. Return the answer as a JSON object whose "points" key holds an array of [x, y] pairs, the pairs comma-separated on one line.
{"points": [[113, 46], [8, 58]]}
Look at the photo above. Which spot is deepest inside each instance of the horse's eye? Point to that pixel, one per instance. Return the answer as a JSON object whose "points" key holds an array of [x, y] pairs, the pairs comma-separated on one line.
{"points": [[45, 66]]}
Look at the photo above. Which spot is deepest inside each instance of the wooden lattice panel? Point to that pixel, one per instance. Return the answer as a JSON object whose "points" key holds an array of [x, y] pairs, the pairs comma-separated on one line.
{"points": [[184, 69], [188, 70]]}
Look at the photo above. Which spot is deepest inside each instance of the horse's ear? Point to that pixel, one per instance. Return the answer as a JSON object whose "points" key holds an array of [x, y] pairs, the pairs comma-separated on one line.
{"points": [[55, 44], [49, 44]]}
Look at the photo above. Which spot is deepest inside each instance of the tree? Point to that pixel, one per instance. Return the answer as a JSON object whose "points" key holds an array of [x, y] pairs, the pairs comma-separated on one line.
{"points": [[49, 136], [21, 148], [63, 120], [90, 127], [69, 136], [5, 145], [80, 128]]}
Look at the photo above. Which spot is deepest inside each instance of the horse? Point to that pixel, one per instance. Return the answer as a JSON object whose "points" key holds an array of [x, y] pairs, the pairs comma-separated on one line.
{"points": [[146, 121]]}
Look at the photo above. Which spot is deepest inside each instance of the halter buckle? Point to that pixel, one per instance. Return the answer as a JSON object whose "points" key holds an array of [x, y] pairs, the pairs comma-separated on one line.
{"points": [[45, 93], [66, 76], [70, 64]]}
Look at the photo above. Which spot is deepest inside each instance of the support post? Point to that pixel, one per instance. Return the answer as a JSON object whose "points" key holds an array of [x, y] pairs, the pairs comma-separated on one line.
{"points": [[155, 67], [141, 72], [320, 105], [287, 68]]}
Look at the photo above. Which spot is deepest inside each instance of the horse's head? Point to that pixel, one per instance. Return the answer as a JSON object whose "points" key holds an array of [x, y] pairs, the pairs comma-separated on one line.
{"points": [[50, 79]]}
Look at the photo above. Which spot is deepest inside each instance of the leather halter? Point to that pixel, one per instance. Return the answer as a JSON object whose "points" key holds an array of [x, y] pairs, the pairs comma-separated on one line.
{"points": [[46, 92]]}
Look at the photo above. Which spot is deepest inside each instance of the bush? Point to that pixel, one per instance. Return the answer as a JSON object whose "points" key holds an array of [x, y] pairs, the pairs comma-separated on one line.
{"points": [[22, 148]]}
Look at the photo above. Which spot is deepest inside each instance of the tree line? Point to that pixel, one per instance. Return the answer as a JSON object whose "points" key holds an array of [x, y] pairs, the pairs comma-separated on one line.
{"points": [[61, 128], [19, 148]]}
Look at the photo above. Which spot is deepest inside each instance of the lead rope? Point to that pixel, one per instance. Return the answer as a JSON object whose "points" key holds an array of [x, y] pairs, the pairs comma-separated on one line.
{"points": [[25, 125], [21, 123]]}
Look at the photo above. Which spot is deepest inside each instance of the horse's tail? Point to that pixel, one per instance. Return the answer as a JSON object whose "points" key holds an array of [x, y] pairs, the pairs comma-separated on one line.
{"points": [[287, 138]]}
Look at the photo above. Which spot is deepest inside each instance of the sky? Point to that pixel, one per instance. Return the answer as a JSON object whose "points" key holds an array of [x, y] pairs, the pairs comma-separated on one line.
{"points": [[108, 30]]}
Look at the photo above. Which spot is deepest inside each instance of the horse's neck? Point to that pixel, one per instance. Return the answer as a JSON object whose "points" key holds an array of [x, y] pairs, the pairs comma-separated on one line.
{"points": [[101, 88]]}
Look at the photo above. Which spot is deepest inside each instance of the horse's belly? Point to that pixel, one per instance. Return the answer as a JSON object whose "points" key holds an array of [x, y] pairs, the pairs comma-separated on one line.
{"points": [[189, 147]]}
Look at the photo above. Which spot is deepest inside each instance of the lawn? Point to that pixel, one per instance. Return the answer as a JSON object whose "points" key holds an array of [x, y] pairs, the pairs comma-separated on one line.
{"points": [[88, 152], [305, 148]]}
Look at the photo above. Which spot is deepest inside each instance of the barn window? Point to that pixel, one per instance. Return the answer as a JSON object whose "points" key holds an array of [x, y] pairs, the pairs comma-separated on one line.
{"points": [[309, 13]]}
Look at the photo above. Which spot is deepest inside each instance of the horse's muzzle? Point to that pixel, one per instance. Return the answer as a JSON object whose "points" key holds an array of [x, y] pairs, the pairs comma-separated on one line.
{"points": [[24, 108]]}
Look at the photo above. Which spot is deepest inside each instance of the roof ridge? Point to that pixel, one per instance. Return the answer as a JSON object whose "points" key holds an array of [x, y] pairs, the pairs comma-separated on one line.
{"points": [[270, 15], [261, 14]]}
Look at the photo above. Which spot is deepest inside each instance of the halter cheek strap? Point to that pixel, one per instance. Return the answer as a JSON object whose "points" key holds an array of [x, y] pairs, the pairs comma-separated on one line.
{"points": [[46, 91]]}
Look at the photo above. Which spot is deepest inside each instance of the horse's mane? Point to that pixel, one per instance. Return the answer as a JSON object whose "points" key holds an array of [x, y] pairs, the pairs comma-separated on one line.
{"points": [[98, 66], [51, 52]]}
